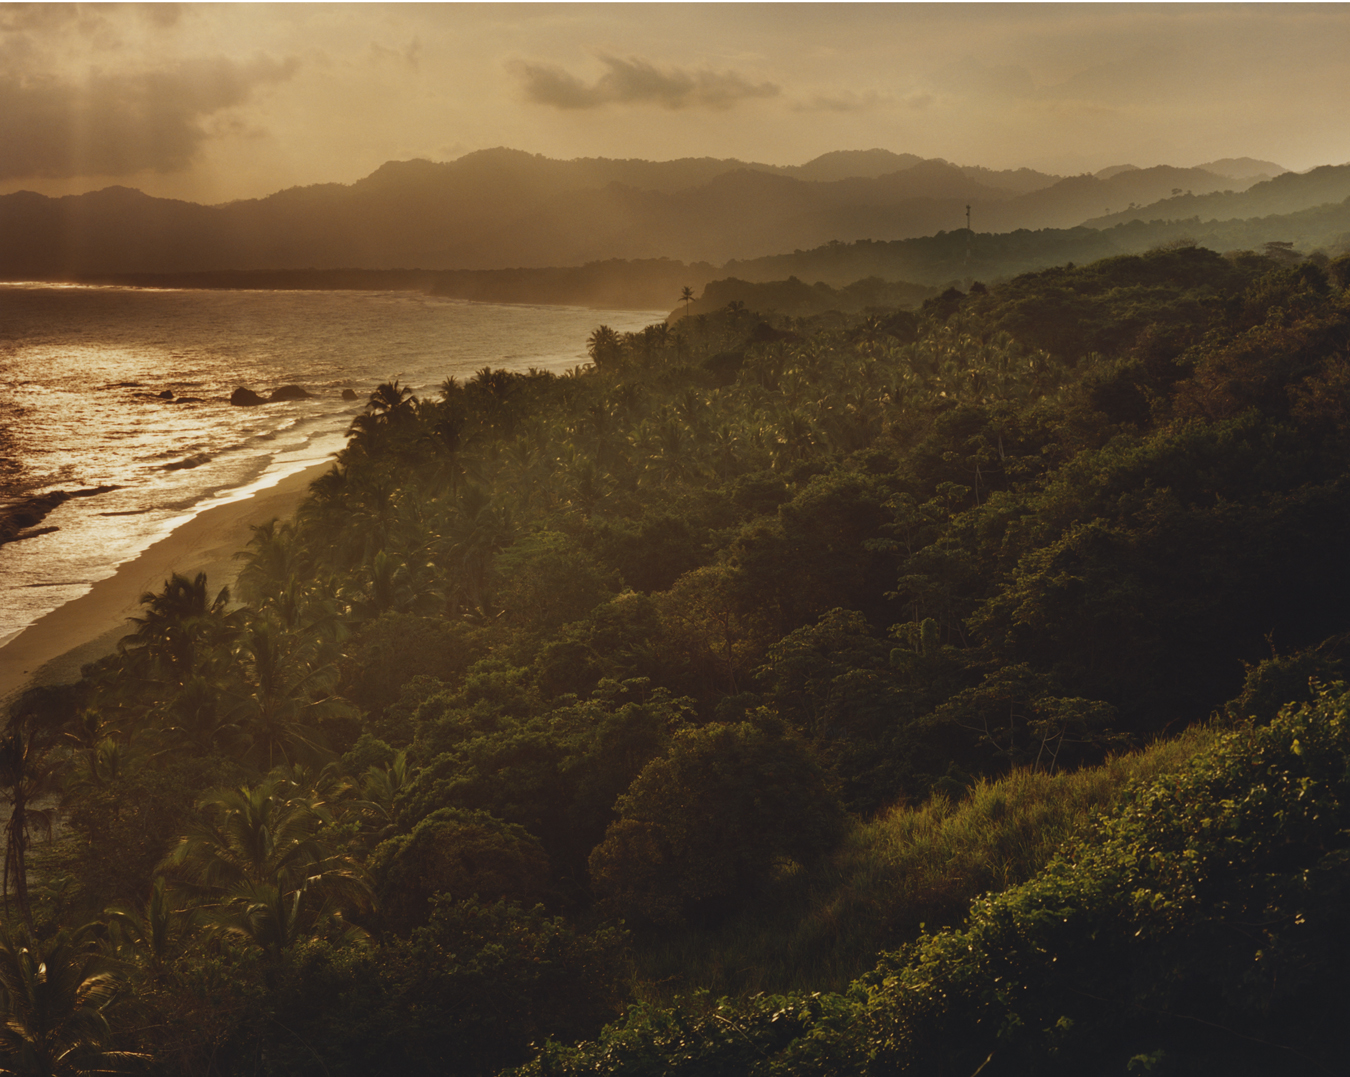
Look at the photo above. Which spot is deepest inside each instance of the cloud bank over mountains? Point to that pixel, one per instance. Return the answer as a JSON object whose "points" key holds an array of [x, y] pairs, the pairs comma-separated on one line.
{"points": [[638, 81], [216, 102], [115, 124]]}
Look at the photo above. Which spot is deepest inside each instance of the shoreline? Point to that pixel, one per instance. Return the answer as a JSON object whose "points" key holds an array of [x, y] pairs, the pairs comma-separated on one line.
{"points": [[543, 288], [53, 648]]}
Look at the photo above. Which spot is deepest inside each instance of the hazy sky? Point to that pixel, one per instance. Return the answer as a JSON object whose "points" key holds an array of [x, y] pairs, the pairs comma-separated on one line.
{"points": [[219, 101]]}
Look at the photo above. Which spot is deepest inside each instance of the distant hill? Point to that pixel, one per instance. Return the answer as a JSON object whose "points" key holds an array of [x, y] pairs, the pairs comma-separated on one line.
{"points": [[1290, 192], [834, 275], [1114, 170], [510, 226], [1244, 168], [802, 300], [847, 164], [502, 208]]}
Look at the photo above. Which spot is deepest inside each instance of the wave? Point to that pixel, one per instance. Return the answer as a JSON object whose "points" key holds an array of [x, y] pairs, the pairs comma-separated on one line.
{"points": [[188, 462]]}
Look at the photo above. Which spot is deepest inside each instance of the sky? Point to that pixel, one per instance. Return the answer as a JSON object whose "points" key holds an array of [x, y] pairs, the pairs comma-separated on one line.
{"points": [[215, 102]]}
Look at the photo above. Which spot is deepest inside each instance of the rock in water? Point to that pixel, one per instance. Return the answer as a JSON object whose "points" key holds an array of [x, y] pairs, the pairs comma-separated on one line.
{"points": [[288, 392], [349, 394], [245, 398]]}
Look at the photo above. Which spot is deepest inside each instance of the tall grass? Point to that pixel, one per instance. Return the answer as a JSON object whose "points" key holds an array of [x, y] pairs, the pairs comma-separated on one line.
{"points": [[816, 929]]}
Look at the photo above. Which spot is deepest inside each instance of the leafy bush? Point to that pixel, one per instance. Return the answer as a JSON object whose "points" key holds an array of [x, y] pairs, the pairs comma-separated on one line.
{"points": [[459, 854], [465, 995], [702, 828]]}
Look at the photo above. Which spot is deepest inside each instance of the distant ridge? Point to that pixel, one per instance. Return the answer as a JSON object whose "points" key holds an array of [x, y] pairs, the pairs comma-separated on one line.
{"points": [[851, 164], [499, 209], [1289, 192], [1244, 168], [1114, 170]]}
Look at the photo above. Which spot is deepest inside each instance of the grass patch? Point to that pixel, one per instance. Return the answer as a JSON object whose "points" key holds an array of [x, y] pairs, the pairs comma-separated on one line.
{"points": [[911, 867]]}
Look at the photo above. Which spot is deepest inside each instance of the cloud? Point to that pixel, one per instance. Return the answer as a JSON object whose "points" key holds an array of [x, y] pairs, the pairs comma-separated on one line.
{"points": [[848, 101], [639, 82], [409, 56], [1006, 82], [120, 124], [161, 14]]}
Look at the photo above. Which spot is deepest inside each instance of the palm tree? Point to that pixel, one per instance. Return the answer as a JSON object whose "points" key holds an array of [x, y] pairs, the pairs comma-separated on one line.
{"points": [[391, 402], [604, 345], [263, 866], [53, 995], [274, 556], [380, 787], [183, 633], [390, 406], [287, 695], [150, 937], [27, 775], [687, 298]]}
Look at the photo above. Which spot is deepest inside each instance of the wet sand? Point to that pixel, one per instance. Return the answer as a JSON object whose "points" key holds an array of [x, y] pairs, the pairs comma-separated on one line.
{"points": [[53, 648]]}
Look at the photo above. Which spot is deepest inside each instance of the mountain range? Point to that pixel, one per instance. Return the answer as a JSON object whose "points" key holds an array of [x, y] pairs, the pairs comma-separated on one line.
{"points": [[501, 208]]}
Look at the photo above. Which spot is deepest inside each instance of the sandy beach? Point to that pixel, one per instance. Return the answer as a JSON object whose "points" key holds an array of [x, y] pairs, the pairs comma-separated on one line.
{"points": [[53, 648]]}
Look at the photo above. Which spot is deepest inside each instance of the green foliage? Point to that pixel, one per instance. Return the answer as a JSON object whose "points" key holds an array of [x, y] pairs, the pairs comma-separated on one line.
{"points": [[465, 995], [857, 700], [556, 774], [1212, 893], [53, 995], [651, 553], [263, 866], [1203, 918], [547, 580], [821, 927], [126, 823], [702, 828], [396, 648], [874, 558], [1281, 679], [459, 854], [722, 1040]]}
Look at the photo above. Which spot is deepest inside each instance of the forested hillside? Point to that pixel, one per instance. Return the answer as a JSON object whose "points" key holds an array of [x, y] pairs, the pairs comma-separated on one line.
{"points": [[913, 679]]}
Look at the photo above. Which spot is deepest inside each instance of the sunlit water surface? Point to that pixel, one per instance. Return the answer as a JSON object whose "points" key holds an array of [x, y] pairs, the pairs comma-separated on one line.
{"points": [[81, 369]]}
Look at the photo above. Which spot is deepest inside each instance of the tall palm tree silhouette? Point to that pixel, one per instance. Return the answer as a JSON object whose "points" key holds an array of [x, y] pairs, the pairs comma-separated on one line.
{"points": [[54, 993]]}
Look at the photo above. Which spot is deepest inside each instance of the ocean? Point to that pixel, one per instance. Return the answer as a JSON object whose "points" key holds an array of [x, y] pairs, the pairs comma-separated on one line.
{"points": [[130, 389]]}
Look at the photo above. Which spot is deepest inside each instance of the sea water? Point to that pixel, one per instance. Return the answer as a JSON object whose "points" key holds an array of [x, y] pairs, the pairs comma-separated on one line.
{"points": [[83, 371]]}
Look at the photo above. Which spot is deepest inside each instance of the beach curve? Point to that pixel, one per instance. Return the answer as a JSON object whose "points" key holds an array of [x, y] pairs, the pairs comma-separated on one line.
{"points": [[53, 648]]}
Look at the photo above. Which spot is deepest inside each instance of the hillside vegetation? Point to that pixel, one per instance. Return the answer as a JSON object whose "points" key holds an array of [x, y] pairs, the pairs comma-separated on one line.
{"points": [[922, 669]]}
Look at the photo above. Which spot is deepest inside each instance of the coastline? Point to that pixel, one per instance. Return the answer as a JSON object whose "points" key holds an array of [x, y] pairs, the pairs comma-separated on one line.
{"points": [[53, 648]]}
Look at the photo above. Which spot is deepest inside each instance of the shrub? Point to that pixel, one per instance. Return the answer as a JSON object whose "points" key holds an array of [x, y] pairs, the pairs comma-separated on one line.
{"points": [[702, 828], [459, 854]]}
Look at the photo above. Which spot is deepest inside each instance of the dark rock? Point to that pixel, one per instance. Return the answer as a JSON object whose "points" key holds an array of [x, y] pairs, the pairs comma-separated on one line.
{"points": [[166, 395], [288, 392], [246, 398], [18, 517], [349, 394], [29, 534]]}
